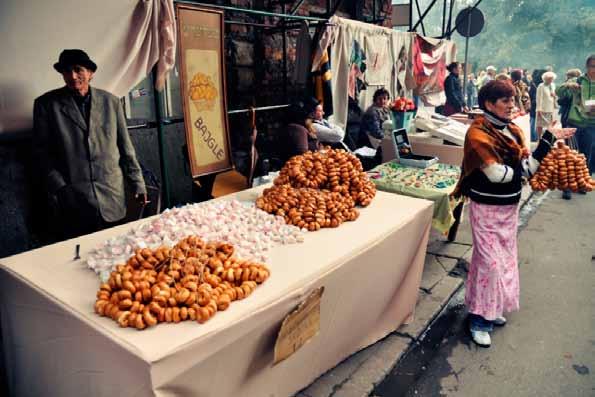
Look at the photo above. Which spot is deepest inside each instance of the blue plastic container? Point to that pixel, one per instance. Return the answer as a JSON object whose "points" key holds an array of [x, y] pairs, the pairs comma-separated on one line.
{"points": [[401, 119]]}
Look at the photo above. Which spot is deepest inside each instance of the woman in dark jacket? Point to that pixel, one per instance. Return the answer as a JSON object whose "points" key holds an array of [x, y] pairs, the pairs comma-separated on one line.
{"points": [[300, 136], [495, 158], [455, 101], [522, 99]]}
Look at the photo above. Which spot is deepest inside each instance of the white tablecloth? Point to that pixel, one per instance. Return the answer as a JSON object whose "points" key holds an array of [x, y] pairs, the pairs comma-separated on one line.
{"points": [[54, 344]]}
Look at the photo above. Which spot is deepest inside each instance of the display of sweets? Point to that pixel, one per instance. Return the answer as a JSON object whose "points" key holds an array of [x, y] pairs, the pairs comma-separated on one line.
{"points": [[252, 232], [190, 282]]}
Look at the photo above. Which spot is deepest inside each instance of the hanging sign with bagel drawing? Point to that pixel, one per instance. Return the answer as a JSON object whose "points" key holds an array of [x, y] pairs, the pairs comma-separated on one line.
{"points": [[200, 35]]}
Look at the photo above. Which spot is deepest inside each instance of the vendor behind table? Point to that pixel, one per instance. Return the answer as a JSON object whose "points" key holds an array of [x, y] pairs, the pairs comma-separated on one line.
{"points": [[375, 116]]}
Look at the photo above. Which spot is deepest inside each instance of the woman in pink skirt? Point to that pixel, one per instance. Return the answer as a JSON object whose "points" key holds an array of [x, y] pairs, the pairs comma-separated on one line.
{"points": [[495, 160]]}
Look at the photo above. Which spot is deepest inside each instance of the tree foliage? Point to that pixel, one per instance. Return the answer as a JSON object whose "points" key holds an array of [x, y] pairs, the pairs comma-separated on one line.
{"points": [[526, 34]]}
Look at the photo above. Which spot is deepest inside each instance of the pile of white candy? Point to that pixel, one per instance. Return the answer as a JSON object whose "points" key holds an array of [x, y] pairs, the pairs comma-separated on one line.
{"points": [[252, 232]]}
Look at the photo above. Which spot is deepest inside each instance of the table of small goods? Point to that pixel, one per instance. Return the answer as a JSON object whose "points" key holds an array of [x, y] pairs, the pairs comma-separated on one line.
{"points": [[223, 275], [435, 183]]}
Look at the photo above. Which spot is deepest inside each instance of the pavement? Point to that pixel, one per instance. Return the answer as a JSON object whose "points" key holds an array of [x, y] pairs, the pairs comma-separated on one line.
{"points": [[400, 364], [548, 347]]}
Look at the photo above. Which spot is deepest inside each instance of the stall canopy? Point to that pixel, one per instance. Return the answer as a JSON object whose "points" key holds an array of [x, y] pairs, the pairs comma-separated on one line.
{"points": [[126, 38]]}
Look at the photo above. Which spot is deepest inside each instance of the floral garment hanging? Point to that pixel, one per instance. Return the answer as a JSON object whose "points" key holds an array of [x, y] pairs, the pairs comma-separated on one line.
{"points": [[430, 57]]}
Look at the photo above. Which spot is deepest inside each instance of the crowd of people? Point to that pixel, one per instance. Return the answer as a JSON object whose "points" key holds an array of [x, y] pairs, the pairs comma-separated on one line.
{"points": [[537, 94]]}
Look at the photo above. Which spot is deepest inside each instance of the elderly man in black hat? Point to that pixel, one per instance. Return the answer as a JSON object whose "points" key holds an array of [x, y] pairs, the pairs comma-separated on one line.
{"points": [[83, 151]]}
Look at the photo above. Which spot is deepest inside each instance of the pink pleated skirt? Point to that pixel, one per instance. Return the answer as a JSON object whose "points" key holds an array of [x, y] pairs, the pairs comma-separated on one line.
{"points": [[492, 286]]}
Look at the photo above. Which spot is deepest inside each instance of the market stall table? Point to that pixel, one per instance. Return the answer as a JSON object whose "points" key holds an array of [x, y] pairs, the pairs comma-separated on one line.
{"points": [[427, 146], [424, 144], [434, 183], [55, 345], [447, 128], [447, 154], [523, 121], [462, 118]]}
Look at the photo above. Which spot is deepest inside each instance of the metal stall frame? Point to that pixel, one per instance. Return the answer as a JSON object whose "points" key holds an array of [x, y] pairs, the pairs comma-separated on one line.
{"points": [[280, 27], [447, 28]]}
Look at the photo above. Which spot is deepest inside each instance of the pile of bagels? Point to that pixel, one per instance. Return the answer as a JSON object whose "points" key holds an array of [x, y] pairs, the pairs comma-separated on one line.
{"points": [[564, 169], [191, 281], [318, 190]]}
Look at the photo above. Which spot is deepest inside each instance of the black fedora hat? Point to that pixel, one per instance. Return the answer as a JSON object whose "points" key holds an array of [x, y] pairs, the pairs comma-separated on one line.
{"points": [[74, 57]]}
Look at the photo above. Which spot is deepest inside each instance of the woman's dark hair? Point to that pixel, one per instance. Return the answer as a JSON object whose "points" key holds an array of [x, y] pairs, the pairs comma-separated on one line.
{"points": [[494, 90], [537, 73], [380, 92], [591, 58], [310, 104], [452, 66], [516, 75], [299, 111]]}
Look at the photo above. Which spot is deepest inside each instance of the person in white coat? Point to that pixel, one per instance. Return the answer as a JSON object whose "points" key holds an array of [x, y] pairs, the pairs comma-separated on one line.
{"points": [[546, 102]]}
